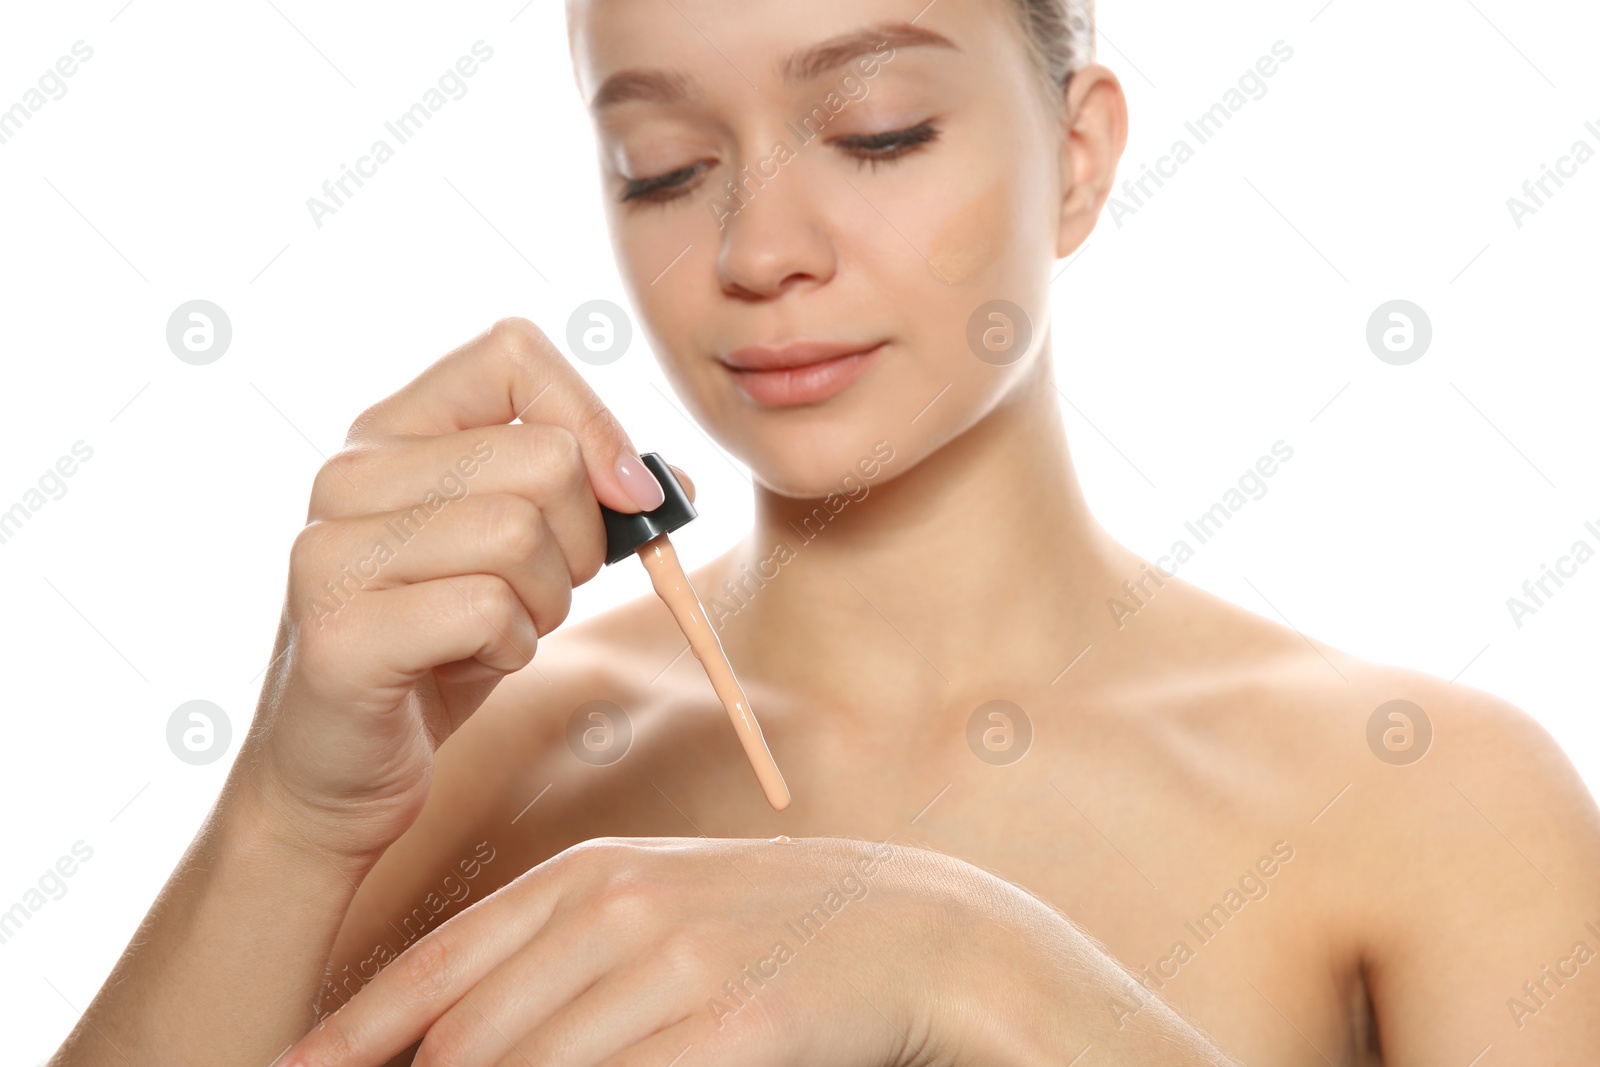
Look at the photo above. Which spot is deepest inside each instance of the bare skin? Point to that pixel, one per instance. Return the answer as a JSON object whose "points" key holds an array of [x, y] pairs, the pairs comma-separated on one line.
{"points": [[1164, 764], [1195, 763]]}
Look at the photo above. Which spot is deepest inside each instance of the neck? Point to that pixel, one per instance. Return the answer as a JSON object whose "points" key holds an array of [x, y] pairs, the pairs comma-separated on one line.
{"points": [[978, 571]]}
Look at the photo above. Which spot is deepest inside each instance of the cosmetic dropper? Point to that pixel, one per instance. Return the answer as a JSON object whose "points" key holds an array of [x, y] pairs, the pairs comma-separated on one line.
{"points": [[645, 534]]}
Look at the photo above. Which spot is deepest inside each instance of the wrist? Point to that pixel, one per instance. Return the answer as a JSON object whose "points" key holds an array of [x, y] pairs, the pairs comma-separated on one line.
{"points": [[1012, 998], [263, 817], [978, 966], [1037, 990]]}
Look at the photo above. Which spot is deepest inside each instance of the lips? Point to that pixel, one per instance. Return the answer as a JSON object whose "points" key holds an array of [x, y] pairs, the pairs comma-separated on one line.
{"points": [[806, 372]]}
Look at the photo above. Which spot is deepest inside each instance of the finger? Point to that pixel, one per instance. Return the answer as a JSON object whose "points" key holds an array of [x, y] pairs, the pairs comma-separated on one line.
{"points": [[412, 993], [496, 534], [683, 480], [512, 371], [625, 1006], [375, 646], [686, 1042], [560, 962], [430, 476]]}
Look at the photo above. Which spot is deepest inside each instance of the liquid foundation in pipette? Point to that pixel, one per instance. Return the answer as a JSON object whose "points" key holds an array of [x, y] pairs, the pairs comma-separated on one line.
{"points": [[672, 586]]}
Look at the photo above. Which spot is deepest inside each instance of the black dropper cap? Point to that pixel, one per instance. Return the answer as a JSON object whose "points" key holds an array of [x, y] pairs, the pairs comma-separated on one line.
{"points": [[625, 533]]}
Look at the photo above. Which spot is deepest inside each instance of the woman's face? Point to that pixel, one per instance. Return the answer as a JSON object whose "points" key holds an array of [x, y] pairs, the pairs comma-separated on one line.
{"points": [[881, 195]]}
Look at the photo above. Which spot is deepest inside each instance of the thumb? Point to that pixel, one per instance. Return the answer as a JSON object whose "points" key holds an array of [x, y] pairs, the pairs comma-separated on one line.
{"points": [[683, 480]]}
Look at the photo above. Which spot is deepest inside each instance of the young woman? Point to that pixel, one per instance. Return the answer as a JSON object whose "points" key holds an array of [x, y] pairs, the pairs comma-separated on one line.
{"points": [[1024, 830]]}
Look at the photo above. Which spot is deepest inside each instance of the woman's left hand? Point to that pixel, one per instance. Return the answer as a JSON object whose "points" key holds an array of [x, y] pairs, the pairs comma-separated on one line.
{"points": [[634, 950]]}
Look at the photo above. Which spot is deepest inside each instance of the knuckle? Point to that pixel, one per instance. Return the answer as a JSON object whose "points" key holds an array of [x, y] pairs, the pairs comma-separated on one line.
{"points": [[491, 600], [621, 908], [596, 420], [307, 552], [588, 558], [332, 1043], [324, 489], [358, 426], [502, 620], [424, 968], [515, 526], [560, 453], [335, 480], [684, 956], [503, 608], [554, 614], [621, 899], [593, 853], [518, 337], [449, 1042]]}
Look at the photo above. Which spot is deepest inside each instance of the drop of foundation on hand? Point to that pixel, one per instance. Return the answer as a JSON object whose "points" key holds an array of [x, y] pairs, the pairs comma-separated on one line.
{"points": [[783, 839]]}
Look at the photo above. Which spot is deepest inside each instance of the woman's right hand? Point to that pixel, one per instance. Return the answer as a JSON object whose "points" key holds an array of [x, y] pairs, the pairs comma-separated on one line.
{"points": [[440, 545]]}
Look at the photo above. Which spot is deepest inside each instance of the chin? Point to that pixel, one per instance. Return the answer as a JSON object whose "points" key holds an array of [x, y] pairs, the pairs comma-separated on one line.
{"points": [[809, 452], [828, 469]]}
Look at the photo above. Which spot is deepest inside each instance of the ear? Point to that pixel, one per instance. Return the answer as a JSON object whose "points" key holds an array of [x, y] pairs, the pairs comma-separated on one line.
{"points": [[1094, 127]]}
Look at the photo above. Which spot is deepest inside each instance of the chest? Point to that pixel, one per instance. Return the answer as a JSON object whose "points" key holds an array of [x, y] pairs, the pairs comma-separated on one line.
{"points": [[1206, 895], [1167, 850]]}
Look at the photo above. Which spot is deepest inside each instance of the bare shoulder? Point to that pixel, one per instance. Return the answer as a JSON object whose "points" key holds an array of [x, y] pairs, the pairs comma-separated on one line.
{"points": [[1472, 860], [1455, 848], [1432, 766], [1318, 710]]}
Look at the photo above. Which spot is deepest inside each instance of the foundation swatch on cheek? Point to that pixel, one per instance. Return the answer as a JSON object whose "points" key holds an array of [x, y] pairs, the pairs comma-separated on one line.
{"points": [[972, 237]]}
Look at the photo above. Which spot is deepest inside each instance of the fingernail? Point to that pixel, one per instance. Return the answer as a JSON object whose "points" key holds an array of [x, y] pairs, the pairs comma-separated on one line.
{"points": [[637, 481]]}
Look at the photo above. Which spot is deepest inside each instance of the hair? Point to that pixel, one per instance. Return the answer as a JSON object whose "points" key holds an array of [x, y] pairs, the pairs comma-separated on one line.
{"points": [[1060, 35]]}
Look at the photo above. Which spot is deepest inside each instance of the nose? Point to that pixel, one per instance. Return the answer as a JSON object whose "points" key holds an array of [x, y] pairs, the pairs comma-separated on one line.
{"points": [[775, 233]]}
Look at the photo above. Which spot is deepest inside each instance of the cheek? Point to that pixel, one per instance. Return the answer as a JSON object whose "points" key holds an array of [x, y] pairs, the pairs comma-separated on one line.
{"points": [[973, 237], [657, 264]]}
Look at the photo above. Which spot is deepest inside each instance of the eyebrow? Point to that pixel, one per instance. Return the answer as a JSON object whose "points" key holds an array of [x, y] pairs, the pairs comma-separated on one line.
{"points": [[670, 87]]}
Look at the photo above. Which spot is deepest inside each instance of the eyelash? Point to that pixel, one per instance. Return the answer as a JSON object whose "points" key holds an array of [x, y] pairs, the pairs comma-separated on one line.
{"points": [[867, 149]]}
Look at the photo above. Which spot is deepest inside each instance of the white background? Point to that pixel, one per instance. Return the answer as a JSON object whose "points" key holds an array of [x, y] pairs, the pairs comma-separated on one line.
{"points": [[1226, 314]]}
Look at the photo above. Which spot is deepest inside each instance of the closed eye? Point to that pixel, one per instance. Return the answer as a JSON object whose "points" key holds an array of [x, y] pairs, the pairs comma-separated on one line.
{"points": [[663, 187], [878, 148], [870, 148]]}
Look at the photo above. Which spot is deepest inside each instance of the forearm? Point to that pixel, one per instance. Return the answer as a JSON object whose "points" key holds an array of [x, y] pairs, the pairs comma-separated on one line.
{"points": [[226, 964]]}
